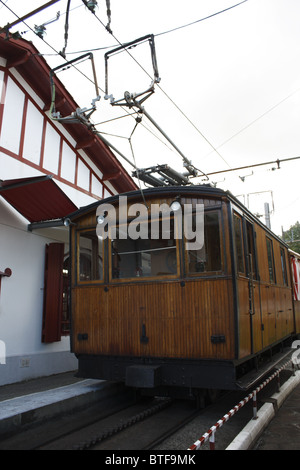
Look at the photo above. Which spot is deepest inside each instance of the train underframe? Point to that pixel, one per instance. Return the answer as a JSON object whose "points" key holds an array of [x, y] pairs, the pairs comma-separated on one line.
{"points": [[182, 378]]}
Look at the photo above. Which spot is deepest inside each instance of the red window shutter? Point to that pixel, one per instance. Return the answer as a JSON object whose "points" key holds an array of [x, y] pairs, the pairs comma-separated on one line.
{"points": [[53, 293]]}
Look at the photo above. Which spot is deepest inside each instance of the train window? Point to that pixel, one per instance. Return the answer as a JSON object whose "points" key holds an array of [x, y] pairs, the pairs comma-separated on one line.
{"points": [[270, 260], [144, 257], [239, 246], [208, 258], [251, 250], [283, 267], [90, 256]]}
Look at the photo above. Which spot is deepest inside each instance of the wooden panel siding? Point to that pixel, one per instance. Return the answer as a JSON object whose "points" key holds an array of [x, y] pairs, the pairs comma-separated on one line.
{"points": [[176, 317], [178, 321], [297, 316], [273, 317], [245, 319], [276, 297], [89, 219]]}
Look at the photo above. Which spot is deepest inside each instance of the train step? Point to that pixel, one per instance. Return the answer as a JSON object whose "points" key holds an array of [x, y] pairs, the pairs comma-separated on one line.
{"points": [[274, 362]]}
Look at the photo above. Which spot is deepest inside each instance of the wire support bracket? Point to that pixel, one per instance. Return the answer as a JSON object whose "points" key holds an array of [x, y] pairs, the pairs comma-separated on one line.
{"points": [[125, 47], [80, 114]]}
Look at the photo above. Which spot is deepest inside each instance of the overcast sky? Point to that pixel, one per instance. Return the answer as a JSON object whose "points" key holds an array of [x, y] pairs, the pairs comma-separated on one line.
{"points": [[229, 94]]}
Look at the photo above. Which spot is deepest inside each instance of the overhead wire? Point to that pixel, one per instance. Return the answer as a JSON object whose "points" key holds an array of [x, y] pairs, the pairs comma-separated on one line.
{"points": [[88, 78], [159, 86], [171, 100], [49, 45], [107, 27], [139, 64], [259, 117], [3, 4], [174, 29], [63, 52], [76, 68], [213, 147], [135, 164], [201, 19], [278, 161], [163, 32]]}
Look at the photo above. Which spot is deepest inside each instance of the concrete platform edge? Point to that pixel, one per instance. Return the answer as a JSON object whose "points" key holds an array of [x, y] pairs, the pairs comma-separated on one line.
{"points": [[23, 418], [246, 438]]}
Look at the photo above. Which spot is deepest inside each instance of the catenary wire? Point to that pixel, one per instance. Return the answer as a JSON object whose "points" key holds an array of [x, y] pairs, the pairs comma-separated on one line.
{"points": [[241, 130], [88, 78], [63, 53], [259, 117], [172, 101], [201, 19], [165, 32]]}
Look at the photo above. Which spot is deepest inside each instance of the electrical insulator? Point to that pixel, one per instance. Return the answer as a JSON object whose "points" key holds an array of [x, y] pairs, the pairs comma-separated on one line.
{"points": [[91, 4]]}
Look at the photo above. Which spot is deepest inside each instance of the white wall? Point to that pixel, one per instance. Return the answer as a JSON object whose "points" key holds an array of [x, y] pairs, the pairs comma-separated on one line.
{"points": [[21, 295], [21, 301]]}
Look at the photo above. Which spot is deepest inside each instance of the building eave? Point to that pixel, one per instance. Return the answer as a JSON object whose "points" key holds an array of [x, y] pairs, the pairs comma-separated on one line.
{"points": [[25, 58]]}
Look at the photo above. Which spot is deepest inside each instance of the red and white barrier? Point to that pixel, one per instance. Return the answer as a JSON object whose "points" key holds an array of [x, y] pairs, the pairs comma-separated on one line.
{"points": [[210, 434]]}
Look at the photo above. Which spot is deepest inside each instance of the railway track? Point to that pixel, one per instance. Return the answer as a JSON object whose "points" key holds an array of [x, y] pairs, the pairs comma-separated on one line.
{"points": [[121, 423], [169, 417], [125, 424]]}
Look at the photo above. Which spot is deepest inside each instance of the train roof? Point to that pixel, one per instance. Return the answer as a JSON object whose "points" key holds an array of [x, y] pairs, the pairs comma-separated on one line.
{"points": [[167, 191], [294, 253]]}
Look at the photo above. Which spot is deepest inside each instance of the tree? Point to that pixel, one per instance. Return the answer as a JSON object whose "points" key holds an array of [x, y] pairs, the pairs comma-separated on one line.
{"points": [[292, 237]]}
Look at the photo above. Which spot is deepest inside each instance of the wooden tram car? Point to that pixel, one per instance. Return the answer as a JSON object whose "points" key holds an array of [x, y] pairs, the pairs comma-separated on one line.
{"points": [[165, 319]]}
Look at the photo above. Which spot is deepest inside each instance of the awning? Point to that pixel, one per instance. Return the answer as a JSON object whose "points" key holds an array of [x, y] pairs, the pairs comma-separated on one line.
{"points": [[37, 199]]}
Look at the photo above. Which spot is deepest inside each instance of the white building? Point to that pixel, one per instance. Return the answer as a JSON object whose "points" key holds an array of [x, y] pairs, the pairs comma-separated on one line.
{"points": [[47, 170]]}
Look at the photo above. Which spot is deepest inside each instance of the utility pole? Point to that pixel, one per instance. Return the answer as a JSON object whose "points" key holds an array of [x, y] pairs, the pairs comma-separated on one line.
{"points": [[267, 215]]}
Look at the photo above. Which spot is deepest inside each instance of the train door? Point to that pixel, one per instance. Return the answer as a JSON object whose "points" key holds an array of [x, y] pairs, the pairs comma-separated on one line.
{"points": [[248, 296], [269, 316], [253, 287]]}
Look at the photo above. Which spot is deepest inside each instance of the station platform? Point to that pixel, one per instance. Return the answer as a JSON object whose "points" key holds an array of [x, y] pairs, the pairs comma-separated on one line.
{"points": [[283, 432], [26, 403], [30, 402], [277, 426]]}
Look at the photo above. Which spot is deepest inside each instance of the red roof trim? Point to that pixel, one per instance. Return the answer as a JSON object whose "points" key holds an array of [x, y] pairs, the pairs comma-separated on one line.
{"points": [[37, 199], [23, 55]]}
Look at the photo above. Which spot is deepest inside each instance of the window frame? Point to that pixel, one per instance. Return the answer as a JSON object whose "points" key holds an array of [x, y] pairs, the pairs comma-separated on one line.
{"points": [[268, 239], [251, 250], [213, 273], [79, 281], [237, 216], [285, 280], [116, 280]]}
